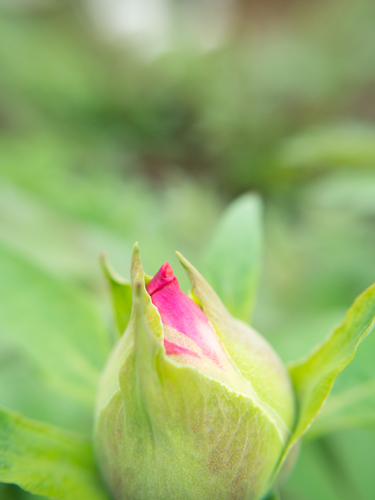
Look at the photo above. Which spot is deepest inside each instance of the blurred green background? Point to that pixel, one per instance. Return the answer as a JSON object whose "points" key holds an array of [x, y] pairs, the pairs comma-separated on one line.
{"points": [[118, 124]]}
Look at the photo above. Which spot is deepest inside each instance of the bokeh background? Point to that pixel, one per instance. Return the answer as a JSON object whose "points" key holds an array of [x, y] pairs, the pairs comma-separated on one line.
{"points": [[125, 120]]}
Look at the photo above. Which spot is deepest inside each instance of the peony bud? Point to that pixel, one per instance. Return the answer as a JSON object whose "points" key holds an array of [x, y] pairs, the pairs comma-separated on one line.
{"points": [[193, 403]]}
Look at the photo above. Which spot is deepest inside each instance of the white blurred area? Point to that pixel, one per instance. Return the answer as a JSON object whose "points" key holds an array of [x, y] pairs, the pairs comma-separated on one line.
{"points": [[156, 26], [144, 23], [151, 26]]}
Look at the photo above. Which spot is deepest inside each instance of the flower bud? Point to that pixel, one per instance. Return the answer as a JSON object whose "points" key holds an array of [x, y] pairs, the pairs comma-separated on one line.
{"points": [[193, 403]]}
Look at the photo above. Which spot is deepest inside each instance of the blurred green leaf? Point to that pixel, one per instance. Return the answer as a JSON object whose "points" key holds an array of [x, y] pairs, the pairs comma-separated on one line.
{"points": [[121, 294], [66, 77], [47, 461], [232, 262], [340, 145], [314, 376], [317, 475], [58, 243], [355, 451], [24, 388], [345, 191], [102, 211], [56, 326], [354, 407]]}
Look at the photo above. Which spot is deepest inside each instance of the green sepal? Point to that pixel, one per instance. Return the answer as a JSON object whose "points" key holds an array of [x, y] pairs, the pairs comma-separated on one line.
{"points": [[313, 377], [125, 345], [48, 461], [139, 279], [233, 259], [121, 294], [253, 357]]}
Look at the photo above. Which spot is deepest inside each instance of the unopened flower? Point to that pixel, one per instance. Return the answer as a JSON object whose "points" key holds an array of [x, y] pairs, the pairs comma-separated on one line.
{"points": [[194, 404]]}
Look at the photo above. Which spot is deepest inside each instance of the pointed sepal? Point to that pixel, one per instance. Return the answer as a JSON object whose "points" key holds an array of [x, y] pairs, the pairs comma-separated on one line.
{"points": [[121, 295]]}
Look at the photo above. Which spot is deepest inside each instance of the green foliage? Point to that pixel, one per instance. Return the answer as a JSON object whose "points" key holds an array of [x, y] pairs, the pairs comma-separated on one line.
{"points": [[47, 461], [58, 328], [314, 376], [233, 257], [351, 404], [349, 145]]}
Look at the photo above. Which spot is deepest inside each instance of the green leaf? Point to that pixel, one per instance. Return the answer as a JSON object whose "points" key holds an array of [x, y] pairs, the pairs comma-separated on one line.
{"points": [[348, 144], [57, 327], [24, 389], [57, 243], [352, 401], [47, 461], [232, 262], [121, 293], [314, 376]]}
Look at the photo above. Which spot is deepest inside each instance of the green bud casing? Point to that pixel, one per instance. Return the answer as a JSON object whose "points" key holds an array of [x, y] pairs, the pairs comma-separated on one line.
{"points": [[171, 431]]}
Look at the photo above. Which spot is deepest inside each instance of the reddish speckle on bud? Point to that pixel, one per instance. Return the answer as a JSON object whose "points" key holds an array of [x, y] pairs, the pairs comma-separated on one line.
{"points": [[171, 348], [188, 333]]}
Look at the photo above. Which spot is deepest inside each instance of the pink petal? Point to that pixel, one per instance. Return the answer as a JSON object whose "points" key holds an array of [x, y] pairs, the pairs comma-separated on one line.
{"points": [[181, 313]]}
